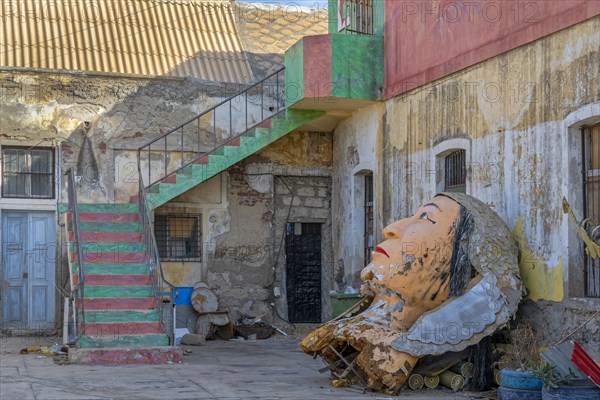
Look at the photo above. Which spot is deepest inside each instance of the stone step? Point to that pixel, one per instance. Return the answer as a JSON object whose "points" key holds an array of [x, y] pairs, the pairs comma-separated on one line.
{"points": [[121, 356], [110, 247], [122, 316], [114, 280], [124, 237], [124, 341], [112, 269], [101, 304], [108, 208], [111, 258], [123, 329], [108, 227], [106, 217], [118, 292]]}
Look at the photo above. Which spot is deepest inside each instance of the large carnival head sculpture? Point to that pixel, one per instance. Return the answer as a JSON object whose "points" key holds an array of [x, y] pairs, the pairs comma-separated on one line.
{"points": [[443, 280]]}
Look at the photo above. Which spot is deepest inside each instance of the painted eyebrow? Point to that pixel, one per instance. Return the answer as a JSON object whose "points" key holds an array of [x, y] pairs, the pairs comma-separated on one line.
{"points": [[432, 204]]}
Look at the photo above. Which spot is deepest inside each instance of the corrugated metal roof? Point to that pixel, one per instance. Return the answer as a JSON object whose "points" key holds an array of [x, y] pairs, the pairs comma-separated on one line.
{"points": [[140, 37]]}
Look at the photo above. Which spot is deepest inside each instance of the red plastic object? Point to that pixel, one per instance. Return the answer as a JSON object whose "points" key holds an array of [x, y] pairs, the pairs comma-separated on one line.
{"points": [[585, 363]]}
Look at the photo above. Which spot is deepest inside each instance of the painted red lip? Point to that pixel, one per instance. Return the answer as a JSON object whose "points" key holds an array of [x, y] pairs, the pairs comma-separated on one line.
{"points": [[379, 249]]}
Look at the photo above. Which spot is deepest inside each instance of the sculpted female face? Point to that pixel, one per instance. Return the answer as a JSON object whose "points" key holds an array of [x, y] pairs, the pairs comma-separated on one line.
{"points": [[413, 264]]}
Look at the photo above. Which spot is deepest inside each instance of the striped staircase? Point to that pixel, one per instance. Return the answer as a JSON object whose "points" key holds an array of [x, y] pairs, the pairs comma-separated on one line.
{"points": [[122, 322], [227, 155]]}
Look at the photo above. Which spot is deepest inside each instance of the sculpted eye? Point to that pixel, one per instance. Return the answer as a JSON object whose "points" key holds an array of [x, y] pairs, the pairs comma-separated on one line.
{"points": [[425, 216]]}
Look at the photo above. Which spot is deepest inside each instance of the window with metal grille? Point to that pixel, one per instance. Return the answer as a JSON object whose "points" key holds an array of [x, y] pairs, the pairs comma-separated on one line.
{"points": [[27, 172], [369, 228], [591, 206], [455, 172], [359, 16], [178, 237]]}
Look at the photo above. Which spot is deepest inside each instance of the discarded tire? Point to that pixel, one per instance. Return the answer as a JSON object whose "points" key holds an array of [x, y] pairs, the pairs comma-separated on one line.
{"points": [[520, 380], [505, 393], [579, 389]]}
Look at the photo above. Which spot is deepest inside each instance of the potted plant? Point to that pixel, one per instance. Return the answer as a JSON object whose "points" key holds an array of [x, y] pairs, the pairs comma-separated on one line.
{"points": [[518, 380]]}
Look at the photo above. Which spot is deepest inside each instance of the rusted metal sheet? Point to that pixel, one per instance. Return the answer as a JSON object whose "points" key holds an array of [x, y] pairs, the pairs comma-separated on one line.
{"points": [[162, 37]]}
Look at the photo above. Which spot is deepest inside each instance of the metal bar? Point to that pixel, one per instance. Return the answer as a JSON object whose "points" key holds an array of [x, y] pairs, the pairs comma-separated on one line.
{"points": [[262, 102], [210, 109], [277, 90], [348, 364], [198, 137], [165, 156], [246, 109], [230, 120], [214, 128], [80, 287], [182, 146]]}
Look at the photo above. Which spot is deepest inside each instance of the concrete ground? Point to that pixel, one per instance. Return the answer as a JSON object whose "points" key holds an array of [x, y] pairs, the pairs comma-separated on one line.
{"points": [[266, 369]]}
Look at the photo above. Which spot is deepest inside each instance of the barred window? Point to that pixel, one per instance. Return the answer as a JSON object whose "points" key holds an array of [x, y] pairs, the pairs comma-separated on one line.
{"points": [[455, 172], [357, 17], [27, 172], [179, 237]]}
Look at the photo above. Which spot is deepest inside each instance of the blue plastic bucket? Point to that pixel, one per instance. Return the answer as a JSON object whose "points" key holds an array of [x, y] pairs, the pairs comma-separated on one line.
{"points": [[184, 296]]}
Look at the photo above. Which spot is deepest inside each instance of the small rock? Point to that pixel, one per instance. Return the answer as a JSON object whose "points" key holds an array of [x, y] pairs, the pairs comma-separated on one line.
{"points": [[192, 339]]}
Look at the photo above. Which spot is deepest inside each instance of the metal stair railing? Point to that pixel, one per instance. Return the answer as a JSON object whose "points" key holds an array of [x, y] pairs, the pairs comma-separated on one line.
{"points": [[212, 129], [152, 259], [77, 291]]}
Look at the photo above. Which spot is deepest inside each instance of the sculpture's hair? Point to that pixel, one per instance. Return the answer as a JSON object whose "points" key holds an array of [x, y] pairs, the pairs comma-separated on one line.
{"points": [[461, 269]]}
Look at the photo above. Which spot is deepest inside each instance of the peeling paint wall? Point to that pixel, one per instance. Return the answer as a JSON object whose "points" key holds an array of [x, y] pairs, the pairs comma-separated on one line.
{"points": [[510, 111], [108, 116], [245, 210]]}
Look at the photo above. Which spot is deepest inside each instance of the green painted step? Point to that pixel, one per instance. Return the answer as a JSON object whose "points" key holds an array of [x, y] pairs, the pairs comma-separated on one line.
{"points": [[125, 341], [121, 292], [110, 247], [109, 227], [109, 208], [112, 269], [226, 156], [121, 316]]}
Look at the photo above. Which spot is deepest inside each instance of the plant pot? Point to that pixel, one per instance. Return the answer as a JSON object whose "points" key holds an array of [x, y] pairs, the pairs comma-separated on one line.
{"points": [[520, 380], [505, 393], [579, 389]]}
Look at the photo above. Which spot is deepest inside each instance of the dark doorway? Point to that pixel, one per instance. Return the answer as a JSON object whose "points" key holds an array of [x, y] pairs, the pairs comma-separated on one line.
{"points": [[303, 272]]}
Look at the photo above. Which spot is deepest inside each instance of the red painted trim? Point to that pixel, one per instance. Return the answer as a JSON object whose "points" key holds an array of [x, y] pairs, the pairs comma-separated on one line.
{"points": [[169, 179], [266, 124], [123, 237], [147, 303], [134, 199], [112, 258], [317, 66], [236, 141], [201, 161], [123, 328], [115, 280]]}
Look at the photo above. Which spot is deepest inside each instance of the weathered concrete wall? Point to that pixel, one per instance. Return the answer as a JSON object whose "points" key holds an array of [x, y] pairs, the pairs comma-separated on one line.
{"points": [[244, 269], [99, 114], [513, 121]]}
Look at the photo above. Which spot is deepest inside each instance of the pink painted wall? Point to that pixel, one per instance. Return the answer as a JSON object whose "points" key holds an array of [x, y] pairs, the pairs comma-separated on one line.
{"points": [[426, 40], [317, 66]]}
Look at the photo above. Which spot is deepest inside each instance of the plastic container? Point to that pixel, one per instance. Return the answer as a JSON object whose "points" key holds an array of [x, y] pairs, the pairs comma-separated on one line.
{"points": [[341, 302], [579, 389], [184, 296], [520, 380], [505, 393]]}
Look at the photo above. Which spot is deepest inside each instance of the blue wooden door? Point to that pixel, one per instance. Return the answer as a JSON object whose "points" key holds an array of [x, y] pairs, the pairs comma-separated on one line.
{"points": [[28, 264]]}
